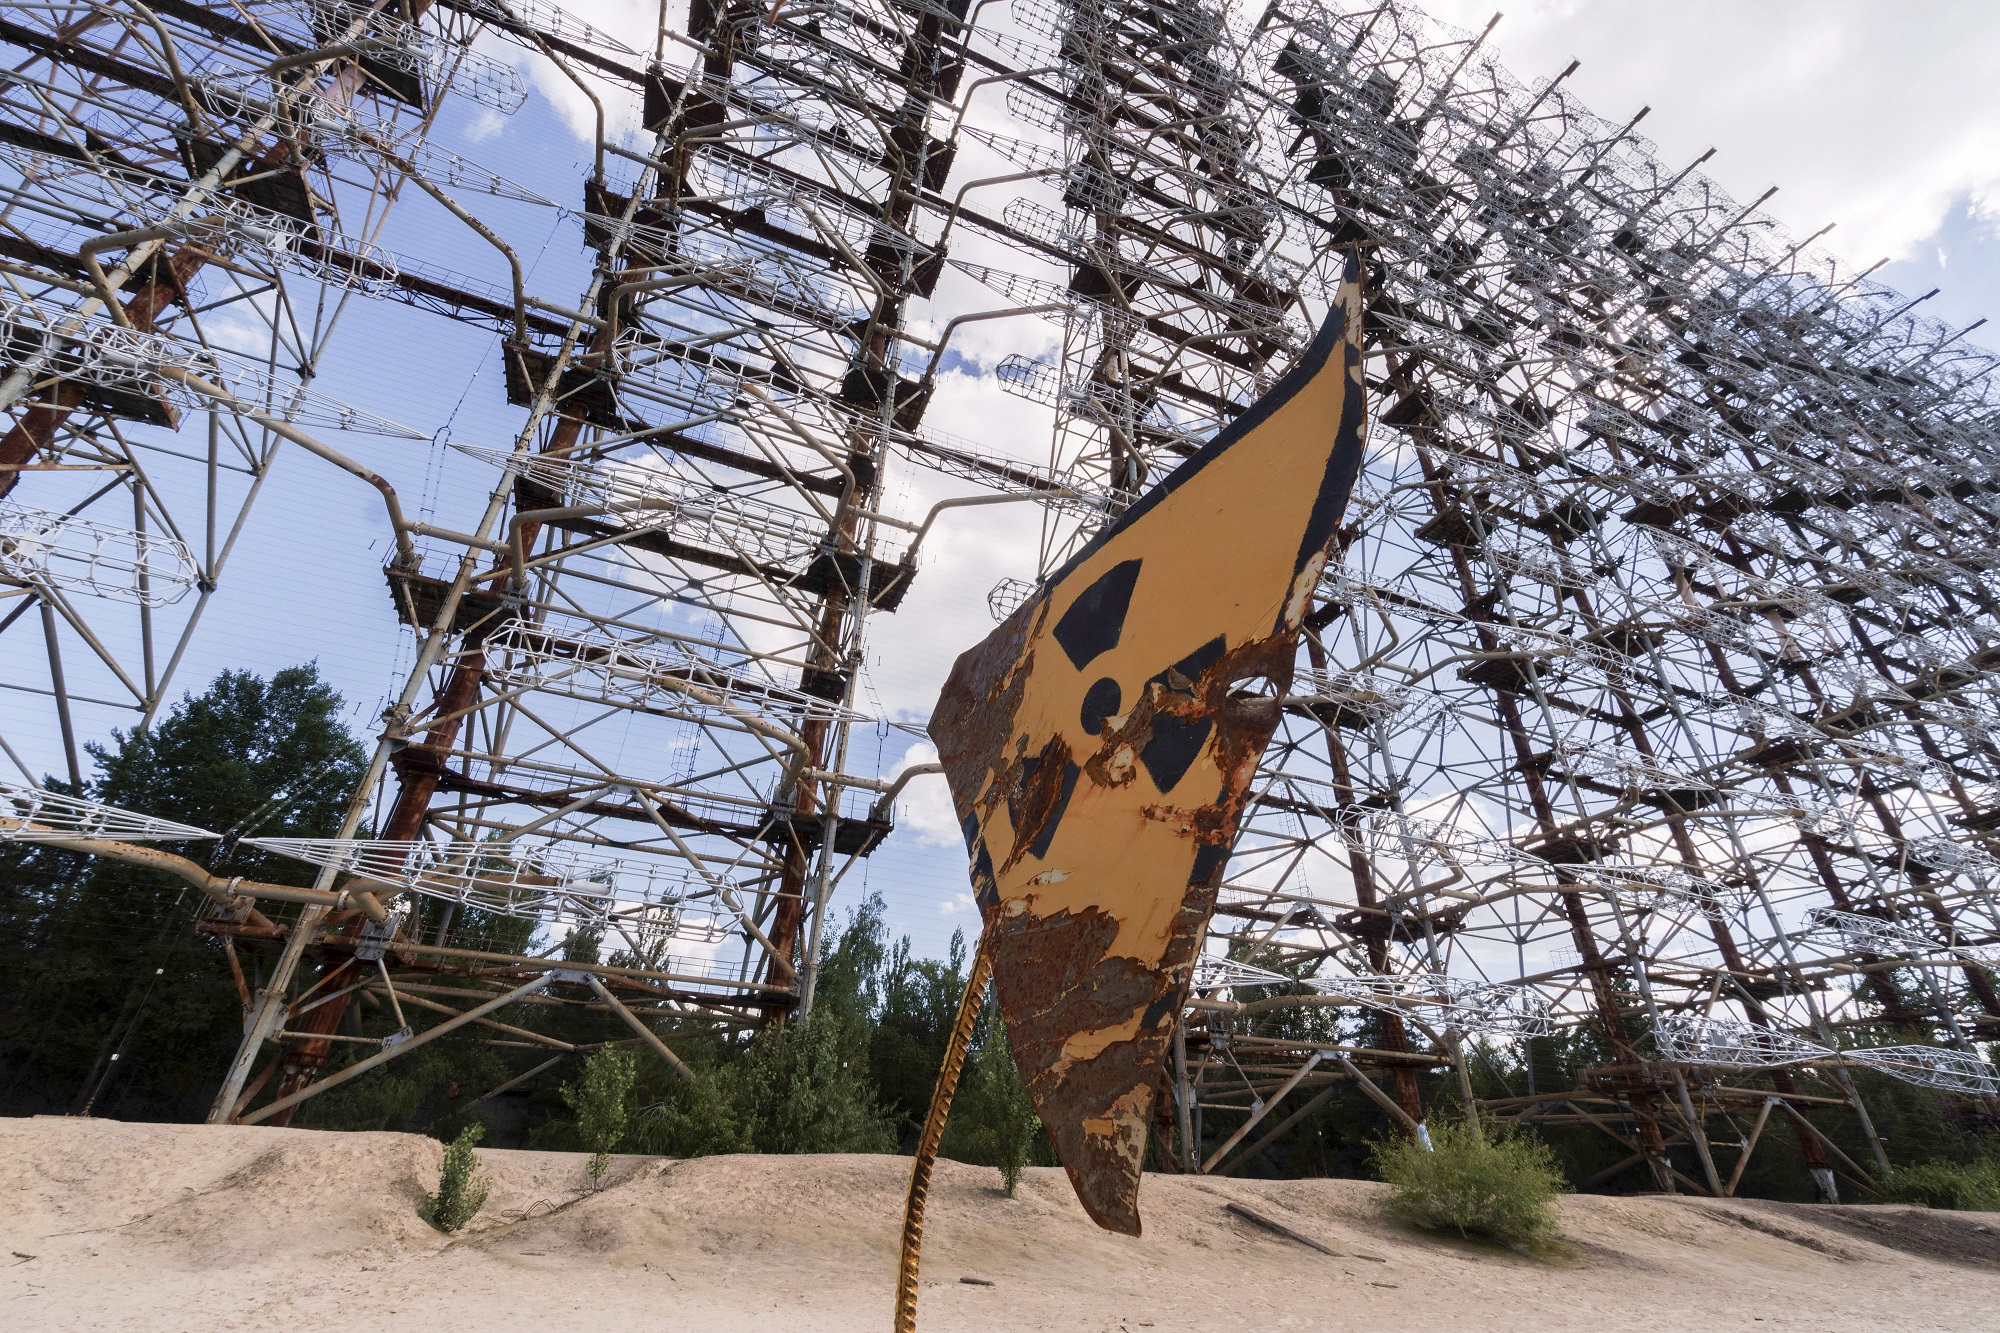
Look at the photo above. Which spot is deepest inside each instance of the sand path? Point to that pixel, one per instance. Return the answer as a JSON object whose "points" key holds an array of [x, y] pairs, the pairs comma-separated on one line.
{"points": [[174, 1227]]}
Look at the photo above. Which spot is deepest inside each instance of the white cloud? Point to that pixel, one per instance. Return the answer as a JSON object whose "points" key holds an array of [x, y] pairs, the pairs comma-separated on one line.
{"points": [[631, 22], [1876, 117], [965, 554], [485, 125], [1985, 209], [924, 810]]}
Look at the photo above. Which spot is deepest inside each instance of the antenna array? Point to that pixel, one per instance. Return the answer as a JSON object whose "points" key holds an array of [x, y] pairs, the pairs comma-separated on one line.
{"points": [[1652, 693]]}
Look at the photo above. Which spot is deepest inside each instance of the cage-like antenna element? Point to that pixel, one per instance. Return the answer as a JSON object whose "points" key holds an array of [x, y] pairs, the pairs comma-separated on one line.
{"points": [[33, 814], [79, 554]]}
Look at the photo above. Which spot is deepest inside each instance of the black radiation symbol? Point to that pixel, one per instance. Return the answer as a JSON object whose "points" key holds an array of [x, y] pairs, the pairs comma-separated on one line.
{"points": [[1092, 627]]}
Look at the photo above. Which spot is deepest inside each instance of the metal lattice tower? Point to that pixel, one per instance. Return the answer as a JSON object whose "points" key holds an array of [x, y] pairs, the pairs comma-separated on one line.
{"points": [[1660, 652], [1666, 620], [187, 204], [1651, 694], [687, 531]]}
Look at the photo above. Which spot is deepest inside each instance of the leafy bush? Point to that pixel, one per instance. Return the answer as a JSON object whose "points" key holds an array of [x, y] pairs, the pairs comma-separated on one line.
{"points": [[598, 1101], [804, 1087], [1499, 1189], [1970, 1186], [461, 1193], [696, 1118]]}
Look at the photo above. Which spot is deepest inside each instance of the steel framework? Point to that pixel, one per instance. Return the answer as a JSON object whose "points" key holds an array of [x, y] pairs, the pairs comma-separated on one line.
{"points": [[178, 239], [1653, 692], [1662, 649]]}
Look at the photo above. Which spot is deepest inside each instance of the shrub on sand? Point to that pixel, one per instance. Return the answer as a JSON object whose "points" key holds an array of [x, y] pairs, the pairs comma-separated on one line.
{"points": [[1499, 1189], [598, 1101], [461, 1192], [993, 1123], [1971, 1186]]}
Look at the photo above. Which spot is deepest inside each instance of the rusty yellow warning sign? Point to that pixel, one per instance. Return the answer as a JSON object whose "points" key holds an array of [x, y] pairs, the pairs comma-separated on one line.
{"points": [[1100, 743]]}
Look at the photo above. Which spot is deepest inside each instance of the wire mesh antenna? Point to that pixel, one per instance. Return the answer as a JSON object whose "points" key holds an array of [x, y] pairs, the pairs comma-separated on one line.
{"points": [[175, 210], [661, 673], [1697, 596], [1658, 659], [538, 881], [1728, 1044], [115, 358], [1435, 1002], [68, 551], [31, 814]]}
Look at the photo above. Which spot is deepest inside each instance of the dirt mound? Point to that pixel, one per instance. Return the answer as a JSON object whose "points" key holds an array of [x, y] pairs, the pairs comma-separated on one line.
{"points": [[171, 1227]]}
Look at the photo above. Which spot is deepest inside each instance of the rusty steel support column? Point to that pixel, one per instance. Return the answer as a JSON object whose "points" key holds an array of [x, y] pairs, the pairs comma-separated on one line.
{"points": [[48, 409], [1395, 1033], [789, 914], [418, 769], [843, 609]]}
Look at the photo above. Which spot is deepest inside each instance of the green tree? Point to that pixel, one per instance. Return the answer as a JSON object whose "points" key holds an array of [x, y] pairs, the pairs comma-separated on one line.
{"points": [[695, 1117], [804, 1087], [110, 1001], [601, 1102], [992, 1121], [461, 1191], [412, 1092], [581, 944], [916, 1004]]}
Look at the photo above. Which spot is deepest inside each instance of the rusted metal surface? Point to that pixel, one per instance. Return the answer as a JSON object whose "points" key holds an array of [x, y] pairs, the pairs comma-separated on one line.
{"points": [[925, 1157], [51, 407], [1100, 744]]}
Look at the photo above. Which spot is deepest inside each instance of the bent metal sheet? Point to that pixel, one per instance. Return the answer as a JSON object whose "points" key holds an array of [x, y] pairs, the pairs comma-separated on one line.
{"points": [[1100, 743]]}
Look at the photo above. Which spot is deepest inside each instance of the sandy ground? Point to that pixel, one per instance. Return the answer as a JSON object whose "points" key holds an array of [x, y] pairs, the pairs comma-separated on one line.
{"points": [[175, 1227]]}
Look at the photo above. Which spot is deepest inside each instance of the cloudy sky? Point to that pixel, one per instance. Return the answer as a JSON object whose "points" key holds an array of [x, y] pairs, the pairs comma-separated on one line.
{"points": [[1881, 118]]}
